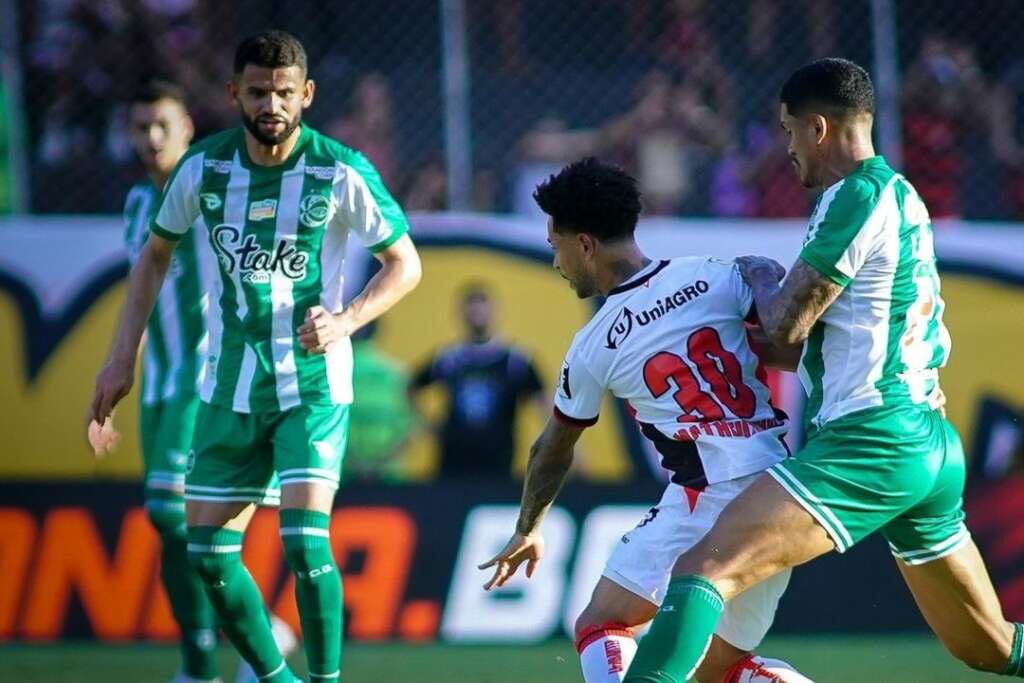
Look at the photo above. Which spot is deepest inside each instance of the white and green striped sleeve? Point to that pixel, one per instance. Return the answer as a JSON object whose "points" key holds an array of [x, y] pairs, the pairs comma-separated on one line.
{"points": [[366, 207], [179, 204], [844, 229]]}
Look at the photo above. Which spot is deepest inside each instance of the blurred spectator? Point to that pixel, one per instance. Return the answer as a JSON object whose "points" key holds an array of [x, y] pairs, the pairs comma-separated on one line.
{"points": [[427, 187], [486, 381], [369, 125], [941, 80], [1006, 114]]}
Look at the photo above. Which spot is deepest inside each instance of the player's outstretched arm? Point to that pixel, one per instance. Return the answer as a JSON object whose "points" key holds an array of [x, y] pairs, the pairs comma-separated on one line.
{"points": [[787, 312], [115, 379], [550, 460], [400, 274]]}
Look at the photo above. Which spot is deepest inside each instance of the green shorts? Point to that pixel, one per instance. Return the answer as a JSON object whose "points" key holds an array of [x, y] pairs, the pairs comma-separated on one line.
{"points": [[247, 457], [895, 470], [165, 432]]}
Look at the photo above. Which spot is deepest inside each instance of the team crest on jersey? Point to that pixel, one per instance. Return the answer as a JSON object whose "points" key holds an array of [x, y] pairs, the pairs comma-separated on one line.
{"points": [[263, 210], [218, 165], [254, 264], [211, 200], [313, 210]]}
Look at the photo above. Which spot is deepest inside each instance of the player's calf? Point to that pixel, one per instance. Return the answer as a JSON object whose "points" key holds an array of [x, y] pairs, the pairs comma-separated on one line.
{"points": [[318, 589], [189, 604], [216, 555]]}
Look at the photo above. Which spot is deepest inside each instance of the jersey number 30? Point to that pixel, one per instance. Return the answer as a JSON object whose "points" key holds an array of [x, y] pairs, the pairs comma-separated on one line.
{"points": [[719, 368]]}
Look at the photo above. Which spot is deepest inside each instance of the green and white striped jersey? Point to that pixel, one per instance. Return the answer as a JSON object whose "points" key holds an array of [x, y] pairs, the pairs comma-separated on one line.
{"points": [[882, 341], [279, 234], [175, 333]]}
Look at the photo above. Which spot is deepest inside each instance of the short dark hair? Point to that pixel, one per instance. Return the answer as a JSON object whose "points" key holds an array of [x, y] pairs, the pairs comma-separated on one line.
{"points": [[474, 289], [156, 89], [272, 50], [593, 197], [836, 85]]}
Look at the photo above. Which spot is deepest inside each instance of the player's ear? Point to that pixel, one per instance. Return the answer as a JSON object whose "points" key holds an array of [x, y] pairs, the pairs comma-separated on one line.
{"points": [[587, 243], [820, 125], [232, 88], [307, 94]]}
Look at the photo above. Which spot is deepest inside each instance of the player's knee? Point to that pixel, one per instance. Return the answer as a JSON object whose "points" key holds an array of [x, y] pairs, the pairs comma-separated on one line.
{"points": [[212, 562], [989, 656], [168, 523], [309, 556]]}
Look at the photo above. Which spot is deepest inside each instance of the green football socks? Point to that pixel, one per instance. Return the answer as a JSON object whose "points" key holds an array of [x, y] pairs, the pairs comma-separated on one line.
{"points": [[1015, 665], [217, 556], [681, 633], [191, 608], [318, 590]]}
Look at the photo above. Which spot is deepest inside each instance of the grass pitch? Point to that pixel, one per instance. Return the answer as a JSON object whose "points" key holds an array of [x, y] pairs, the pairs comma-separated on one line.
{"points": [[826, 659]]}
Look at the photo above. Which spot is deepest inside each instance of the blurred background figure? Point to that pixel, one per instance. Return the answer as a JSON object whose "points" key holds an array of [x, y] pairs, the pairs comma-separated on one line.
{"points": [[382, 416], [486, 381]]}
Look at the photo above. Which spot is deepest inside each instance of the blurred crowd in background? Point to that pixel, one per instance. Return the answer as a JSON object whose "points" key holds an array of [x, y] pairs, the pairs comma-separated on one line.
{"points": [[680, 92]]}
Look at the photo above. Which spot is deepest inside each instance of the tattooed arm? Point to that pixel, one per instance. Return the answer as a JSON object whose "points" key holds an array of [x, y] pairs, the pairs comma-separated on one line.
{"points": [[550, 460], [787, 312], [546, 470]]}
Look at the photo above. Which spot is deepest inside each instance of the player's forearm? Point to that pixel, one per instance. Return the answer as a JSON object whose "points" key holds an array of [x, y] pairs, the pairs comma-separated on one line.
{"points": [[144, 284], [773, 354], [385, 289], [545, 473]]}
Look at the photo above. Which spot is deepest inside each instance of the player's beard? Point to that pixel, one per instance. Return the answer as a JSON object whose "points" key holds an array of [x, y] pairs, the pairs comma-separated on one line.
{"points": [[263, 138]]}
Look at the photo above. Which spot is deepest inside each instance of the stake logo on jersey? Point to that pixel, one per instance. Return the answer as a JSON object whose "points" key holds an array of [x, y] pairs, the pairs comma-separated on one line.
{"points": [[691, 381], [253, 263], [279, 234]]}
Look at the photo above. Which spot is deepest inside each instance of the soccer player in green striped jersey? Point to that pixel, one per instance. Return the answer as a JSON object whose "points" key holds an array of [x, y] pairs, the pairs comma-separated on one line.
{"points": [[864, 300], [160, 131], [272, 203]]}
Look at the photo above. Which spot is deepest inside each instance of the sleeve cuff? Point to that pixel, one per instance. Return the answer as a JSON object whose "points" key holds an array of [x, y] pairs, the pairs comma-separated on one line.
{"points": [[574, 421], [166, 234], [825, 268], [396, 235]]}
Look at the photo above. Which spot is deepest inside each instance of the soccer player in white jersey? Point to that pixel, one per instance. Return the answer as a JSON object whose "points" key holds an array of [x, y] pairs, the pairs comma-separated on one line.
{"points": [[273, 203], [671, 339], [864, 299]]}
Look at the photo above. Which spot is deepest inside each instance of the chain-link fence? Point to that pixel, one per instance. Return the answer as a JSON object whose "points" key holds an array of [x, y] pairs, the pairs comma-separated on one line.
{"points": [[466, 104]]}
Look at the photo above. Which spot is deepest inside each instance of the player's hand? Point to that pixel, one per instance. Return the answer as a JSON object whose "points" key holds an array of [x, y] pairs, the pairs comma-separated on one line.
{"points": [[103, 437], [760, 267], [519, 549], [320, 330], [112, 384]]}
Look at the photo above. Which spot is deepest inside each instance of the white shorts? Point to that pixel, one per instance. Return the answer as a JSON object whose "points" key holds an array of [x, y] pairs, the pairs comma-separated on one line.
{"points": [[642, 561]]}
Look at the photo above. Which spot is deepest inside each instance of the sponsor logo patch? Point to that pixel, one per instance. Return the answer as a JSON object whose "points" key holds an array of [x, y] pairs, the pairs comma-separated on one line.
{"points": [[263, 210], [321, 172], [218, 165]]}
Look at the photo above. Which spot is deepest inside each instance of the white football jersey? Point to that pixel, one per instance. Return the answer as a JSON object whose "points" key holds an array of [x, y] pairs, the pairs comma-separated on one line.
{"points": [[672, 342]]}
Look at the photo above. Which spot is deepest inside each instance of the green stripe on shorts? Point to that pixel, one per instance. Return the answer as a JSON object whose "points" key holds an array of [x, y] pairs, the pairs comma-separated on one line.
{"points": [[824, 516]]}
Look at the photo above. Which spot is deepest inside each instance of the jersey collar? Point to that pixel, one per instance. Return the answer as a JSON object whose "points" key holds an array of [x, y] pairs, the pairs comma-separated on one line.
{"points": [[641, 279]]}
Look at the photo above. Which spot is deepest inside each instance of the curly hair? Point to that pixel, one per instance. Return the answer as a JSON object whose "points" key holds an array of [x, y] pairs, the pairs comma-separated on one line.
{"points": [[593, 197]]}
